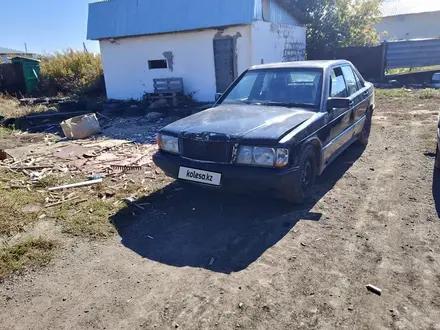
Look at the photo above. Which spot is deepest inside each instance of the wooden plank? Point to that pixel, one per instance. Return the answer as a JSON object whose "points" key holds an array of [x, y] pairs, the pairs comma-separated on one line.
{"points": [[168, 85], [168, 79], [166, 91], [166, 94]]}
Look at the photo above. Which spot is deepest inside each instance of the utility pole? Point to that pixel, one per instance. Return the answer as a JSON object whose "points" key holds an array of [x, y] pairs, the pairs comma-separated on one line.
{"points": [[25, 47]]}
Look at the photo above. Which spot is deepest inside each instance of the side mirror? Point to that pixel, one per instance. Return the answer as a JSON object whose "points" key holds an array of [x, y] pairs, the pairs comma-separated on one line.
{"points": [[337, 103], [217, 96]]}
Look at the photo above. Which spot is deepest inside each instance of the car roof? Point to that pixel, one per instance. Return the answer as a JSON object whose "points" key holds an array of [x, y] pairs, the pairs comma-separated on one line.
{"points": [[300, 64]]}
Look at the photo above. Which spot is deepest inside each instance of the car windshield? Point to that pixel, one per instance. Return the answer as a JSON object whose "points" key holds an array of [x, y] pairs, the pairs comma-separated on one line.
{"points": [[282, 87]]}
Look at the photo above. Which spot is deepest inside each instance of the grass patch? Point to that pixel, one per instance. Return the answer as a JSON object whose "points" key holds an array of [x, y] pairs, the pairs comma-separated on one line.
{"points": [[13, 217], [30, 253], [403, 93], [53, 180], [4, 131], [88, 219], [10, 107], [428, 93], [407, 70], [393, 93]]}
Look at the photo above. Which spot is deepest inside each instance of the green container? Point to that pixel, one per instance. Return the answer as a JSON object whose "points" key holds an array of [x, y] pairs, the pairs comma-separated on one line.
{"points": [[31, 72]]}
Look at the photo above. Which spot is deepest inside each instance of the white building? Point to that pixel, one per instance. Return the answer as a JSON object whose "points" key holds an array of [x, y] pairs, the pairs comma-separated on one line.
{"points": [[409, 19], [208, 43]]}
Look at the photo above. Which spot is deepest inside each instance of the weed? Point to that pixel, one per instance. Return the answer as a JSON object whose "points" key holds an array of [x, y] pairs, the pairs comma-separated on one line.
{"points": [[72, 72], [4, 131], [36, 252], [429, 93]]}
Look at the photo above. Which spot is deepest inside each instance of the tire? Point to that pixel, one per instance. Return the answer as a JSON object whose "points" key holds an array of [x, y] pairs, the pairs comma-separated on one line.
{"points": [[366, 130], [308, 167], [437, 159]]}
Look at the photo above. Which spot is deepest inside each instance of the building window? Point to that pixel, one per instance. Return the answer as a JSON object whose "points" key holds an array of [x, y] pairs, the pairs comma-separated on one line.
{"points": [[157, 64]]}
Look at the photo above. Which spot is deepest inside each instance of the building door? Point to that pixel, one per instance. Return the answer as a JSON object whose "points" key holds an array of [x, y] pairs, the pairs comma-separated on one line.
{"points": [[224, 62]]}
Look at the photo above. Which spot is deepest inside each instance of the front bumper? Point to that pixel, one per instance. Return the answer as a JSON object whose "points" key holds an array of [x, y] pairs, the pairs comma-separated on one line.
{"points": [[246, 179]]}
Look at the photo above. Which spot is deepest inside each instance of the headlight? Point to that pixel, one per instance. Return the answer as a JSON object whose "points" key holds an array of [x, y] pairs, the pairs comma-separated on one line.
{"points": [[245, 155], [263, 156], [169, 143]]}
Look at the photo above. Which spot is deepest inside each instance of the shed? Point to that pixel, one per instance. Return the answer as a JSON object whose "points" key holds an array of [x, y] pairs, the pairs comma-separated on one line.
{"points": [[206, 43], [409, 19]]}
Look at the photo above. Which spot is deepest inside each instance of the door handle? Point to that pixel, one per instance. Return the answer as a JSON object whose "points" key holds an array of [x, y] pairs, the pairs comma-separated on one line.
{"points": [[351, 103], [366, 93]]}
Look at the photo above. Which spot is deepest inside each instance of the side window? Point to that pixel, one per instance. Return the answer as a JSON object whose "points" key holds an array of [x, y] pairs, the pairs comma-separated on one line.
{"points": [[350, 78], [337, 84], [358, 81]]}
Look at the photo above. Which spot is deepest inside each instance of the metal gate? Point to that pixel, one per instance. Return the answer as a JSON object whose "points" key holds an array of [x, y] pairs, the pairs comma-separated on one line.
{"points": [[224, 62], [412, 53]]}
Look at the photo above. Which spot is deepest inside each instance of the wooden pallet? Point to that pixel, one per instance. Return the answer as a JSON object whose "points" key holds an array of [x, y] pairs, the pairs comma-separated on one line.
{"points": [[169, 89], [157, 96], [168, 85]]}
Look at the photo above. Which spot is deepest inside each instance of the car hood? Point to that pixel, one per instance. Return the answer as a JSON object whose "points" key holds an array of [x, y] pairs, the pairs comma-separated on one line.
{"points": [[240, 122]]}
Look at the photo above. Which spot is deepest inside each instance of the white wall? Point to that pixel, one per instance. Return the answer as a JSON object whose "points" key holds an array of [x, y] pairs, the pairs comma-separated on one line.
{"points": [[415, 26], [126, 70], [273, 43]]}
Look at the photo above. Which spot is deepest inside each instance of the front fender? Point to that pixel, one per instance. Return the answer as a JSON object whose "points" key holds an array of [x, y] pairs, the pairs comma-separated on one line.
{"points": [[317, 145]]}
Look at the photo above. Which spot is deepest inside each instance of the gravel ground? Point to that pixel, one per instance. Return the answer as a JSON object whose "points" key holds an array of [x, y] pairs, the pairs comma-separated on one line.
{"points": [[202, 260]]}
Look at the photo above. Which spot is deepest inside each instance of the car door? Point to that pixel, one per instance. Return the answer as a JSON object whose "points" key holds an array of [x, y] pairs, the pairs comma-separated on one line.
{"points": [[339, 119], [358, 94]]}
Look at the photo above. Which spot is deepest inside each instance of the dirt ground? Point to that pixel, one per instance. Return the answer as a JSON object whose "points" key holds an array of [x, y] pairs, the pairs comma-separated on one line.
{"points": [[203, 260]]}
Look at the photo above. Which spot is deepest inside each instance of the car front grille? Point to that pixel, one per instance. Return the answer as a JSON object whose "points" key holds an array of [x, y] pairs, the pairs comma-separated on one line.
{"points": [[218, 152]]}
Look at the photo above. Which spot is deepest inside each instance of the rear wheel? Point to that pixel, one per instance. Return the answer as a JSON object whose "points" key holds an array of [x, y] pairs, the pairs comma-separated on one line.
{"points": [[302, 190], [366, 130]]}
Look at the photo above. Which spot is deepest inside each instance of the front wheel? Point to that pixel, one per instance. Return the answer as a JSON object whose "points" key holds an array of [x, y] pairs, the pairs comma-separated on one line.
{"points": [[302, 190]]}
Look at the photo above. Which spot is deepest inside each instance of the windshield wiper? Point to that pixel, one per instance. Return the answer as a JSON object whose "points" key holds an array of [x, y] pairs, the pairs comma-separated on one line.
{"points": [[286, 104], [236, 101]]}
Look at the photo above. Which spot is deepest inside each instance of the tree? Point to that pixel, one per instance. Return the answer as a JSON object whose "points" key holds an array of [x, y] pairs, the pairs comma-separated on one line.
{"points": [[338, 23]]}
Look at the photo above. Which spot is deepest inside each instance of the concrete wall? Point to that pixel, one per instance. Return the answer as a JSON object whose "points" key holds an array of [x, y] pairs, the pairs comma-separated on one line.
{"points": [[415, 26], [273, 43], [126, 69]]}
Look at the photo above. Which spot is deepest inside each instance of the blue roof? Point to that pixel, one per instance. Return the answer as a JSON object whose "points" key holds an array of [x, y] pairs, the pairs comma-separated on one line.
{"points": [[119, 18], [123, 18]]}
